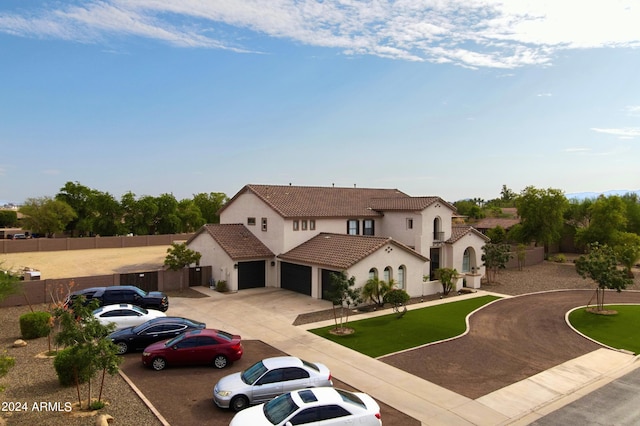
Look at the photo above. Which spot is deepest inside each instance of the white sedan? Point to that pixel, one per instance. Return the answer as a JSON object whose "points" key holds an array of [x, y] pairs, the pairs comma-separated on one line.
{"points": [[322, 406], [125, 315]]}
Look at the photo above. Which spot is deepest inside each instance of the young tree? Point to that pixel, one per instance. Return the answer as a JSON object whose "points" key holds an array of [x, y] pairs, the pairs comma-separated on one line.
{"points": [[343, 292], [375, 290], [601, 265], [89, 349], [541, 213], [446, 277], [607, 218], [498, 235], [495, 257], [179, 256]]}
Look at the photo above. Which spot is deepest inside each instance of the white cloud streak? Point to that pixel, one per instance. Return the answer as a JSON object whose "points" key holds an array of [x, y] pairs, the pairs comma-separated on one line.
{"points": [[622, 133], [470, 33]]}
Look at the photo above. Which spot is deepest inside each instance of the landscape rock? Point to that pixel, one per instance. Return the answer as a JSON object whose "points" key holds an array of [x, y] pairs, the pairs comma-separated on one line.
{"points": [[19, 343]]}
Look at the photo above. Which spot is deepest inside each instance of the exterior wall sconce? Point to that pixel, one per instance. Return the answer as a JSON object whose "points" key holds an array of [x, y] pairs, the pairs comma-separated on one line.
{"points": [[235, 266], [273, 263]]}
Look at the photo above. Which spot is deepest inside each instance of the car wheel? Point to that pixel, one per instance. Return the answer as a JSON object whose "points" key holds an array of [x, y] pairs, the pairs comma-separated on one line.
{"points": [[158, 364], [220, 361], [122, 348], [239, 403]]}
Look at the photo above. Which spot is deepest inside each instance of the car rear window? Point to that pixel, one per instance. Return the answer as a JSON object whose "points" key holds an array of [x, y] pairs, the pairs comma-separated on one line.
{"points": [[225, 335], [351, 398], [310, 365]]}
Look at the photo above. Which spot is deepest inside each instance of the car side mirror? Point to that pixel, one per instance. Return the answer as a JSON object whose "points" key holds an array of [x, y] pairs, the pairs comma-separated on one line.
{"points": [[175, 347]]}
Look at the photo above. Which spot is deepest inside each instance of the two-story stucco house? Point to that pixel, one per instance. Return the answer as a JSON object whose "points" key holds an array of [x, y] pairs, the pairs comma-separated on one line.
{"points": [[294, 237]]}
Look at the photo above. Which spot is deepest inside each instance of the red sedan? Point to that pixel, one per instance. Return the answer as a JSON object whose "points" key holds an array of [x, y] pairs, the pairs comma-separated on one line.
{"points": [[206, 346]]}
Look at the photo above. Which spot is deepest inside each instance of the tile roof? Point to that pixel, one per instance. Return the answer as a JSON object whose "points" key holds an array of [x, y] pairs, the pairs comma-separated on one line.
{"points": [[236, 240], [313, 201], [407, 203], [340, 251], [458, 232], [492, 222]]}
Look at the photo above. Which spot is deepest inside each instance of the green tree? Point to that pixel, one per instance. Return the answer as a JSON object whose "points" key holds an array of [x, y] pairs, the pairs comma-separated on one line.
{"points": [[8, 218], [190, 216], [541, 214], [495, 257], [167, 220], [601, 265], [632, 202], [82, 200], [375, 290], [343, 293], [469, 208], [446, 277], [607, 218], [179, 256], [108, 215], [627, 250], [46, 216], [507, 195], [498, 235], [209, 205]]}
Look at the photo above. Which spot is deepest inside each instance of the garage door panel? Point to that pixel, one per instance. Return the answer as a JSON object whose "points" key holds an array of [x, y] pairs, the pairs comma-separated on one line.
{"points": [[251, 274], [296, 277]]}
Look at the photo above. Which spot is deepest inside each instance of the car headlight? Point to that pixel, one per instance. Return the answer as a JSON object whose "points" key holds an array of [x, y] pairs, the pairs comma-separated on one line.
{"points": [[146, 353], [223, 393]]}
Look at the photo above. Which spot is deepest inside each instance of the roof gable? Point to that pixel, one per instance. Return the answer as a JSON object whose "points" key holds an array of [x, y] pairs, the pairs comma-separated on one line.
{"points": [[340, 251], [236, 240], [457, 232], [313, 201]]}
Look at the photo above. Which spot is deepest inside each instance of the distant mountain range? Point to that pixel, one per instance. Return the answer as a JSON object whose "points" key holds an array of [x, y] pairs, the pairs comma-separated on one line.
{"points": [[584, 195]]}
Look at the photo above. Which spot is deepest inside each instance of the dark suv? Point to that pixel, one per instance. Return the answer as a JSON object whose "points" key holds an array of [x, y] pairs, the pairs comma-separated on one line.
{"points": [[124, 294]]}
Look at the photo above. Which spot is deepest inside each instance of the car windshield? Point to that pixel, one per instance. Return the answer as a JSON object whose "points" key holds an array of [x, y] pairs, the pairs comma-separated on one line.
{"points": [[253, 373], [175, 340], [279, 408], [141, 292]]}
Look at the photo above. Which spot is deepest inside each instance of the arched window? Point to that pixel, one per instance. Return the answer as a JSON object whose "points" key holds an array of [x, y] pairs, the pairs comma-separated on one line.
{"points": [[373, 273], [466, 260], [438, 235], [387, 274], [402, 273]]}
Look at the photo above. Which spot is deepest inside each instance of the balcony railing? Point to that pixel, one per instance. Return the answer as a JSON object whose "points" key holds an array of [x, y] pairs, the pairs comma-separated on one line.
{"points": [[438, 236]]}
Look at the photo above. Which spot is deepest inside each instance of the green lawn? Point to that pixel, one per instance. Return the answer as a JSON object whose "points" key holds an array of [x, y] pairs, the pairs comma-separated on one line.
{"points": [[387, 334], [621, 331]]}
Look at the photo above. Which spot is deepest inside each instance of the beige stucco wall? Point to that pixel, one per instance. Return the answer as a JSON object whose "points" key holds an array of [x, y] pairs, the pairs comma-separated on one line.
{"points": [[213, 255], [248, 205]]}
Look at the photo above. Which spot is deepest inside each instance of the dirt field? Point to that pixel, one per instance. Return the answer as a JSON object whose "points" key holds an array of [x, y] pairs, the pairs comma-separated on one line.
{"points": [[80, 263]]}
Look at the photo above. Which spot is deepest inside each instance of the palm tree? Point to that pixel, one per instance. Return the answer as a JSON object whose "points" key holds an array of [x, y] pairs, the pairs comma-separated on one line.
{"points": [[375, 290]]}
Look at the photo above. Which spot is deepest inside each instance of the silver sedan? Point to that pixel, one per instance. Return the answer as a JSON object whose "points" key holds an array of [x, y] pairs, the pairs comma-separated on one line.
{"points": [[267, 379]]}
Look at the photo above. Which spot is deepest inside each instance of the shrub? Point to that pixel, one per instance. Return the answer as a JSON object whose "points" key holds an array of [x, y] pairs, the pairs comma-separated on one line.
{"points": [[69, 361], [559, 258], [396, 297], [35, 324], [221, 286]]}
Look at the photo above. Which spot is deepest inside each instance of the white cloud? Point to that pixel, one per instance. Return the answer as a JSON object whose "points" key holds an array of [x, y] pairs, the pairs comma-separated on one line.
{"points": [[469, 33], [633, 110], [623, 133], [577, 149], [544, 95]]}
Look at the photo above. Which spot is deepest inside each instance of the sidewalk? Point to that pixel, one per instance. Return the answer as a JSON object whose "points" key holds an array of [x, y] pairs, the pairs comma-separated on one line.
{"points": [[267, 315]]}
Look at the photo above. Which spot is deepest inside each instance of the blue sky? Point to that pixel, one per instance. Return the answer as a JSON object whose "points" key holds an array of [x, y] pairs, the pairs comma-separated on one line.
{"points": [[448, 98]]}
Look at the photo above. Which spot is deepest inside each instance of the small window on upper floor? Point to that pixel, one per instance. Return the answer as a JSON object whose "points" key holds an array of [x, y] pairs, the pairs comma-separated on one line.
{"points": [[296, 225], [368, 227], [409, 223], [353, 227], [312, 224], [251, 221], [264, 223], [304, 225]]}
